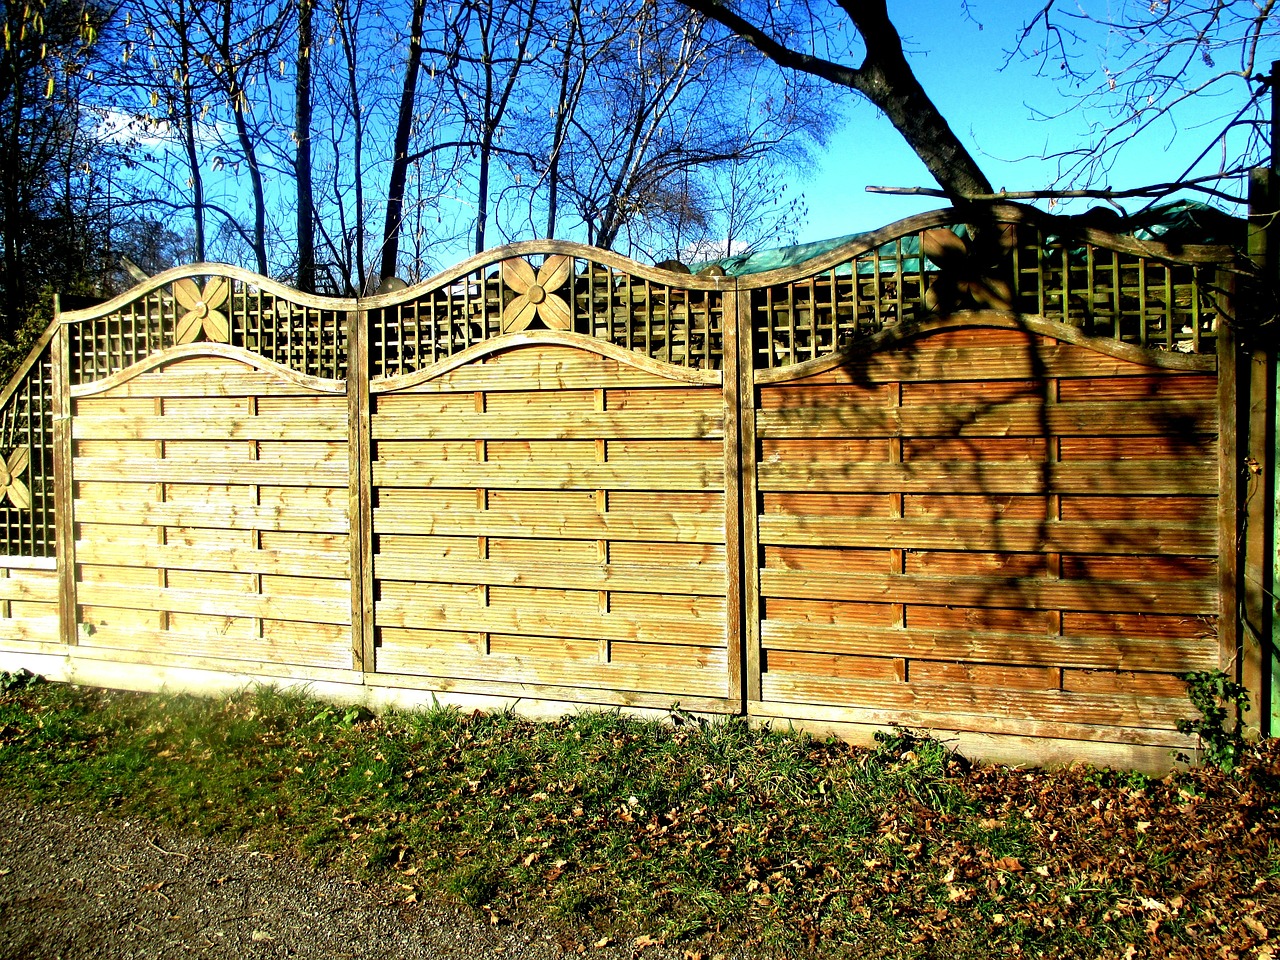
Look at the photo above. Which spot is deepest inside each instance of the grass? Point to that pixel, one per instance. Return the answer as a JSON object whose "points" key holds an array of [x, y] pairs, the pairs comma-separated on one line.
{"points": [[710, 835]]}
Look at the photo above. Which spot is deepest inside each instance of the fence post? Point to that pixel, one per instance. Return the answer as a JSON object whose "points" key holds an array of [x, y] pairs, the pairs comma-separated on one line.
{"points": [[750, 552], [1257, 655], [360, 510], [734, 565], [63, 491]]}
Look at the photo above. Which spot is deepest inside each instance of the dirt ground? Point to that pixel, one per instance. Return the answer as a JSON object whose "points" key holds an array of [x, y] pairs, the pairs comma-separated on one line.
{"points": [[75, 885]]}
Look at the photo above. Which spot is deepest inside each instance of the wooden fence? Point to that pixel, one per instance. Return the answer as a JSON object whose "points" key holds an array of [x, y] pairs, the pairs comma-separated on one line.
{"points": [[980, 478]]}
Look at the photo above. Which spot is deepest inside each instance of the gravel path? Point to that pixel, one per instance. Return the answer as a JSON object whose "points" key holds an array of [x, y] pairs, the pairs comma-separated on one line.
{"points": [[74, 885]]}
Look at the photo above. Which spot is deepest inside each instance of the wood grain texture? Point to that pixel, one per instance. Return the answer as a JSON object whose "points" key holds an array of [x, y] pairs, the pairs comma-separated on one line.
{"points": [[496, 514], [63, 491], [982, 534], [213, 525]]}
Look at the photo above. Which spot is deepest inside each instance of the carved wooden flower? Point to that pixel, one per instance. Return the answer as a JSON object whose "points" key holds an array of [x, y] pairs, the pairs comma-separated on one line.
{"points": [[202, 310], [13, 467], [533, 295]]}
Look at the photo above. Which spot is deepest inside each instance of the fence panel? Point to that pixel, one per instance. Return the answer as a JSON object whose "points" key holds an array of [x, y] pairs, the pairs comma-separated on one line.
{"points": [[988, 528], [211, 513], [549, 518]]}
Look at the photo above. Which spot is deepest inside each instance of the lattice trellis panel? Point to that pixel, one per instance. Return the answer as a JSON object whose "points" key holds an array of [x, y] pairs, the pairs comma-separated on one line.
{"points": [[26, 463], [666, 321], [216, 309]]}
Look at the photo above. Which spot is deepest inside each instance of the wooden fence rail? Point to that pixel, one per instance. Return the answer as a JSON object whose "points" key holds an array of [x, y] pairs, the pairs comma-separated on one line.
{"points": [[979, 478]]}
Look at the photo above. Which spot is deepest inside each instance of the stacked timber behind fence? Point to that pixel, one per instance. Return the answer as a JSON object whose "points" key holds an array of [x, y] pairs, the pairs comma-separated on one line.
{"points": [[975, 479]]}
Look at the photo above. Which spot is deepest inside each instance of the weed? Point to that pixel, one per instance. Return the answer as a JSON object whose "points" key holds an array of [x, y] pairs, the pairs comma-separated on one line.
{"points": [[343, 716], [19, 680], [1220, 701]]}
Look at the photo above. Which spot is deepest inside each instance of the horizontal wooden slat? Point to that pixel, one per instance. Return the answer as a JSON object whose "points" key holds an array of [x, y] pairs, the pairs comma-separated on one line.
{"points": [[706, 579], [324, 473], [302, 425], [1052, 536], [991, 647], [42, 629], [246, 669], [645, 424], [1124, 681], [1001, 676], [936, 717], [215, 603], [313, 563], [178, 382], [1009, 592], [1009, 477], [23, 586], [320, 652], [1088, 708], [310, 518], [622, 475], [683, 527], [399, 657], [544, 368], [977, 420], [690, 631], [930, 360]]}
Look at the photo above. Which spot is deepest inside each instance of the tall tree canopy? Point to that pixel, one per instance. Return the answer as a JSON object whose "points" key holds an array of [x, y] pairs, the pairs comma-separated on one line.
{"points": [[332, 143]]}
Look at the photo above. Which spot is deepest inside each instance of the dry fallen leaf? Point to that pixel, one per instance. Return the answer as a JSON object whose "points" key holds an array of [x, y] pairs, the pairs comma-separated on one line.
{"points": [[1256, 928]]}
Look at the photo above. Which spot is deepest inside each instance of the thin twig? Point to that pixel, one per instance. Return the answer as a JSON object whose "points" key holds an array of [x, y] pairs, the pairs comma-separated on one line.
{"points": [[1155, 190], [168, 853]]}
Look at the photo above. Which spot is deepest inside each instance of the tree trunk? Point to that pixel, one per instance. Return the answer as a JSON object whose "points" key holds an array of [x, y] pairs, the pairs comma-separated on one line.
{"points": [[400, 163], [189, 131], [302, 167], [885, 78], [238, 99], [349, 32]]}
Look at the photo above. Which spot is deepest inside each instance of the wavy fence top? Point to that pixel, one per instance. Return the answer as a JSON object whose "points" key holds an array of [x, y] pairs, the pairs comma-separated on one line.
{"points": [[1014, 261]]}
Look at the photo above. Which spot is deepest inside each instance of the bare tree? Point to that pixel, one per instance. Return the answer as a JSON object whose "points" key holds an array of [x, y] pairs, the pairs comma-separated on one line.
{"points": [[1187, 69], [159, 91], [883, 76], [493, 51], [656, 113], [51, 169]]}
